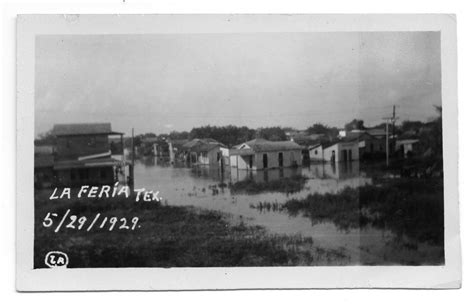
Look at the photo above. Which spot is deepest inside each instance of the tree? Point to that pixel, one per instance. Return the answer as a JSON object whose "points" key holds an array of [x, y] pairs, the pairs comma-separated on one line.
{"points": [[318, 128], [431, 135], [271, 133], [408, 126], [355, 124], [229, 135], [46, 138], [149, 135], [175, 135]]}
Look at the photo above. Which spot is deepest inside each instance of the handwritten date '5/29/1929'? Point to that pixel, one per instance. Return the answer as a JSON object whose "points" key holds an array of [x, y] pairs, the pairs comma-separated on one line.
{"points": [[68, 221], [75, 222]]}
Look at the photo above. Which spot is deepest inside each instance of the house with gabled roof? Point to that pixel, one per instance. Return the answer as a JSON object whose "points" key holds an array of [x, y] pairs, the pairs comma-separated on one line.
{"points": [[258, 154], [370, 147], [341, 150], [206, 151]]}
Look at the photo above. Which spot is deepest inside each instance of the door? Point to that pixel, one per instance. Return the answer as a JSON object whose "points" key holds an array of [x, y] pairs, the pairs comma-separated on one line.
{"points": [[344, 155], [265, 161], [350, 155], [280, 159]]}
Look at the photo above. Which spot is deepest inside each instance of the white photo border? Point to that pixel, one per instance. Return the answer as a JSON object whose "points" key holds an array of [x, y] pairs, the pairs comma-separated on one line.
{"points": [[90, 279]]}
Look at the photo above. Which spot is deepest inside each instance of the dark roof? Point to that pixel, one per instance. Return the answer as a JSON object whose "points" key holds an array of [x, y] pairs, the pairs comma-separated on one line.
{"points": [[178, 143], [328, 144], [205, 147], [407, 136], [263, 145], [357, 137], [83, 129], [376, 132], [96, 162]]}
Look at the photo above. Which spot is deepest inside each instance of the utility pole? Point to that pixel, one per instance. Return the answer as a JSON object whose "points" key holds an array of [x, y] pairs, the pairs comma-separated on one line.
{"points": [[393, 121], [387, 143], [132, 165]]}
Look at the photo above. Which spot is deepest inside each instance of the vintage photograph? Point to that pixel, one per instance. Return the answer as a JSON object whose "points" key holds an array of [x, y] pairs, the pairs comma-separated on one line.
{"points": [[238, 150]]}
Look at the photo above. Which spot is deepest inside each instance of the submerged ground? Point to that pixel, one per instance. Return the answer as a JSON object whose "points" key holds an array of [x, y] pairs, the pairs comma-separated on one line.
{"points": [[317, 216]]}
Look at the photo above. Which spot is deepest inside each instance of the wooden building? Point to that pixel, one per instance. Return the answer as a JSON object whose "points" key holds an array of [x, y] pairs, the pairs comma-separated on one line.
{"points": [[206, 151], [261, 154], [83, 155]]}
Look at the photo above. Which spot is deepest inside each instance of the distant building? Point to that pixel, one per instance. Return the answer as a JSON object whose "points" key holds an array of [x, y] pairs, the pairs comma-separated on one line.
{"points": [[378, 133], [370, 147], [206, 151], [260, 154], [407, 146], [337, 151], [344, 133], [154, 146], [83, 155], [176, 149], [315, 152]]}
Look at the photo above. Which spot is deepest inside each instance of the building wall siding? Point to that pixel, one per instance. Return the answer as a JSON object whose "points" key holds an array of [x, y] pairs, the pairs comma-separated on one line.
{"points": [[85, 176], [316, 153], [72, 147], [290, 158], [338, 149]]}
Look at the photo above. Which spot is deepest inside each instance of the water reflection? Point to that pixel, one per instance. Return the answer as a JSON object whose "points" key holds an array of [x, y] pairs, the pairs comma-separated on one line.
{"points": [[208, 188], [338, 170]]}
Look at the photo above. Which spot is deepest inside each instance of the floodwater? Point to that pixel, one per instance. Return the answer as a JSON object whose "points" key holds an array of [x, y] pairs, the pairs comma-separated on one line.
{"points": [[202, 187]]}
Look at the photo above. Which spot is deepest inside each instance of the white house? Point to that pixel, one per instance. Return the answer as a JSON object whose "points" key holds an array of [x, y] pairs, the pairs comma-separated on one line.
{"points": [[260, 154], [316, 152], [336, 151]]}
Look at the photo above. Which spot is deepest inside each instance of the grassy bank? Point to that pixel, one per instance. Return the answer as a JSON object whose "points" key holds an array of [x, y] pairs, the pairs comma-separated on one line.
{"points": [[285, 185], [168, 236], [407, 207]]}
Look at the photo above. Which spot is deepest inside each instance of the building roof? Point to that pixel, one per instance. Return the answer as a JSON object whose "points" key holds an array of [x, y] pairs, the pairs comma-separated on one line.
{"points": [[98, 162], [83, 129], [334, 142], [202, 144], [351, 136], [406, 141], [376, 132], [263, 145]]}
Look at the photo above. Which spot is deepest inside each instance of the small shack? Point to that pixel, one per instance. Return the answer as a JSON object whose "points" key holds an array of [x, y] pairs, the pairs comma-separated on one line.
{"points": [[336, 151], [407, 147]]}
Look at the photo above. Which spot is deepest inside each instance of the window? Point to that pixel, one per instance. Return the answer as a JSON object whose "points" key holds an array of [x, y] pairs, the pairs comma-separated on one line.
{"points": [[316, 151]]}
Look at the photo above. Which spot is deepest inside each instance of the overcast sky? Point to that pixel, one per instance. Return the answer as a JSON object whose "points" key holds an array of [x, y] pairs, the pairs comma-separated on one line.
{"points": [[160, 83]]}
